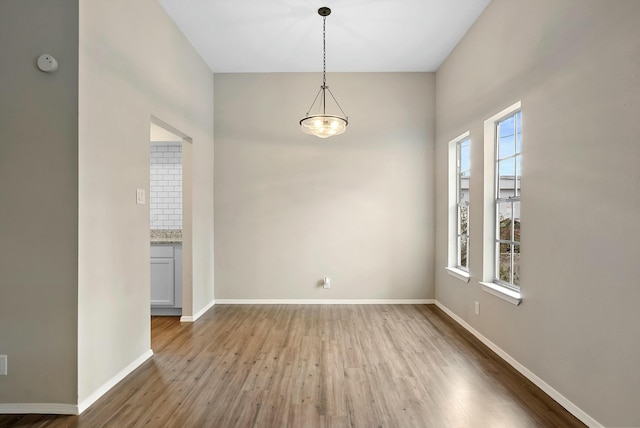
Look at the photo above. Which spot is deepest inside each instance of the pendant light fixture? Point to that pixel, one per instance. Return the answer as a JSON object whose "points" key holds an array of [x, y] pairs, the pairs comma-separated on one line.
{"points": [[321, 124]]}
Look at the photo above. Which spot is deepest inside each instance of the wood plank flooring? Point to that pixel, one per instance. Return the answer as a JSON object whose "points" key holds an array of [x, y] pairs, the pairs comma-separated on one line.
{"points": [[317, 366]]}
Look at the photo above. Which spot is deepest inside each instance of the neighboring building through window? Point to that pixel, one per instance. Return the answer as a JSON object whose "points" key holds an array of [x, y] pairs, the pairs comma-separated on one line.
{"points": [[459, 177], [502, 179]]}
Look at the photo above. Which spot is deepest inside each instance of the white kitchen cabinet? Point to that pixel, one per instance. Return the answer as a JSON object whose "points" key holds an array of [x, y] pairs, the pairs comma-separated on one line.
{"points": [[166, 279], [163, 287]]}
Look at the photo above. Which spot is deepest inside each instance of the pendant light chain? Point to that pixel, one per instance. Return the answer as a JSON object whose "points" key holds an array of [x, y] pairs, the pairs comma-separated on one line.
{"points": [[324, 51], [324, 64]]}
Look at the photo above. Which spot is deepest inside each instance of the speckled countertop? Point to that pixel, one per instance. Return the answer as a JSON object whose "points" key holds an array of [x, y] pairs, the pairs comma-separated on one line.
{"points": [[166, 236]]}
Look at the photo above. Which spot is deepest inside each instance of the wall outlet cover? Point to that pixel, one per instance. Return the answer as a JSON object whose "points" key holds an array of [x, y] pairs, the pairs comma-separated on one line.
{"points": [[326, 282]]}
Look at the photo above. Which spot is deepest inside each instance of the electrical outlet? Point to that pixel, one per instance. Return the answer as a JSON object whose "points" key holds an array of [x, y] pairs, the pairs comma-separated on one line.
{"points": [[477, 308], [326, 283], [3, 364]]}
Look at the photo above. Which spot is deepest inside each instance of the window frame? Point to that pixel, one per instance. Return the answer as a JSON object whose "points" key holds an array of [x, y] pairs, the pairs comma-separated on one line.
{"points": [[490, 272], [454, 266], [512, 200]]}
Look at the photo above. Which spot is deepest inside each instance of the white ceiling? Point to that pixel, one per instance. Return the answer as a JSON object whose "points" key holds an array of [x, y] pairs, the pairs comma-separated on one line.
{"points": [[236, 36]]}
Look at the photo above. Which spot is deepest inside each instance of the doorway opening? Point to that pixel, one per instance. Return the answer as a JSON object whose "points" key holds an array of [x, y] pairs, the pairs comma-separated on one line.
{"points": [[170, 220]]}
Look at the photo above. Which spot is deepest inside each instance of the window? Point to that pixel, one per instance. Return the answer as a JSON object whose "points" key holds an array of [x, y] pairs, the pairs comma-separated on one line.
{"points": [[502, 178], [507, 241], [459, 177], [463, 174]]}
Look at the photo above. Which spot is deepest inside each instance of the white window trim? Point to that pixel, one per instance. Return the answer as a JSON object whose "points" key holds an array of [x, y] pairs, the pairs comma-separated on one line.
{"points": [[452, 257], [458, 273], [502, 292], [488, 235]]}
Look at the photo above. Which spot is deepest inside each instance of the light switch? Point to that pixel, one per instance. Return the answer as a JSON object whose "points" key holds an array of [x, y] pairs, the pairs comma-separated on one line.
{"points": [[140, 197]]}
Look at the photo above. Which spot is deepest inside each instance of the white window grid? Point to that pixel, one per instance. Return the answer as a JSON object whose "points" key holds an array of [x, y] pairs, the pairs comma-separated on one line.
{"points": [[507, 187], [463, 177]]}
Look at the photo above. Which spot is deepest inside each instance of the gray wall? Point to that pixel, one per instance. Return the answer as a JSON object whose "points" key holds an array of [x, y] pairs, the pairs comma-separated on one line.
{"points": [[74, 146], [292, 208], [576, 67], [38, 201], [134, 63]]}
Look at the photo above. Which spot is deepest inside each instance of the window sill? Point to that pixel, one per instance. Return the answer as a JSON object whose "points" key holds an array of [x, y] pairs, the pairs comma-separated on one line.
{"points": [[458, 273], [501, 292]]}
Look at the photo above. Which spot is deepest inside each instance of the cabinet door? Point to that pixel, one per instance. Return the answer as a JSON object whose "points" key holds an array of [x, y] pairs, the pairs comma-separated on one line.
{"points": [[162, 282], [178, 278]]}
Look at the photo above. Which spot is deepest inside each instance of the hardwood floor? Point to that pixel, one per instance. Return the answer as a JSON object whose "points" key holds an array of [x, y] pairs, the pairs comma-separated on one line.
{"points": [[317, 366]]}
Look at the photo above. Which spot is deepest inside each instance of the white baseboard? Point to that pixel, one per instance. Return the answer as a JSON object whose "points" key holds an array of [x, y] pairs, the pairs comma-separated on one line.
{"points": [[325, 301], [39, 408], [72, 409], [84, 405], [187, 318], [550, 391]]}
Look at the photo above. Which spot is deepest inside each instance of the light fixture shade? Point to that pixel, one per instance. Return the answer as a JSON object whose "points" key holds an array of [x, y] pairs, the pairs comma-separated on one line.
{"points": [[324, 126]]}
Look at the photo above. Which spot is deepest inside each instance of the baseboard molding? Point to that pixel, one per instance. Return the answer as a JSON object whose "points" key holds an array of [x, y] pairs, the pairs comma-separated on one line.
{"points": [[84, 405], [325, 301], [548, 389], [39, 408], [72, 409], [187, 318]]}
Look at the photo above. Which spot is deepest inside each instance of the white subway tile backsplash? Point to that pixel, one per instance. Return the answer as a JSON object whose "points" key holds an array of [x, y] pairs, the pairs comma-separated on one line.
{"points": [[166, 187]]}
